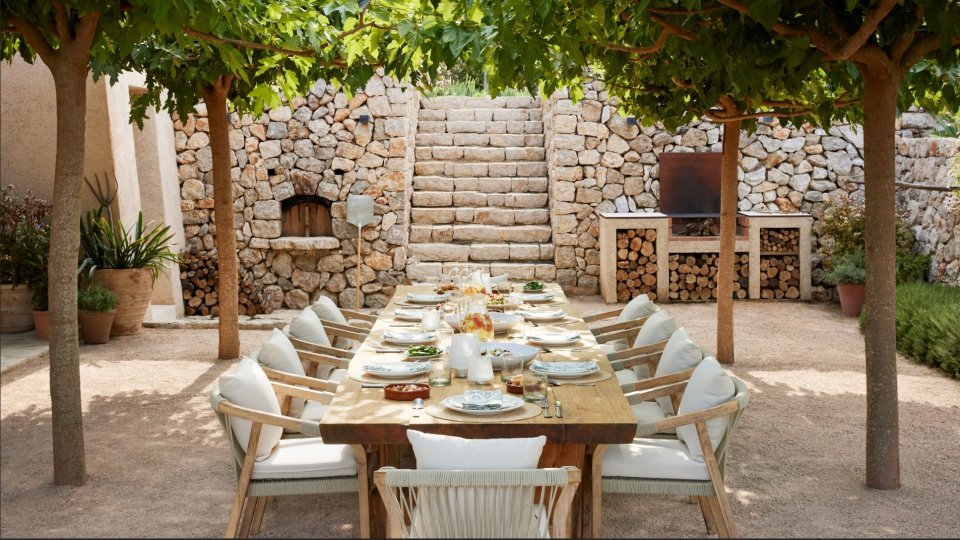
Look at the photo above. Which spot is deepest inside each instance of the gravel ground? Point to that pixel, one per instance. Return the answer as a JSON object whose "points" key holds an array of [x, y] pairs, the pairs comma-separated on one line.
{"points": [[159, 464]]}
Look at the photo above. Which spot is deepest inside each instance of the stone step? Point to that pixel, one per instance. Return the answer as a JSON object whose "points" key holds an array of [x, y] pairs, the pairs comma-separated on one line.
{"points": [[444, 252], [465, 233], [519, 123], [480, 216], [532, 184], [475, 169], [480, 153], [480, 115], [430, 271], [499, 140], [435, 200], [461, 102]]}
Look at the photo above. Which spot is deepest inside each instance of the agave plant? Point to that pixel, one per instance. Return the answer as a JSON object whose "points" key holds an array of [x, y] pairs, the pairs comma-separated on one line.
{"points": [[112, 246]]}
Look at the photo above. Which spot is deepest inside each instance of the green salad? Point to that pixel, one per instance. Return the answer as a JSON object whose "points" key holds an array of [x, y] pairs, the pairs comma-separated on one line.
{"points": [[422, 350], [533, 286]]}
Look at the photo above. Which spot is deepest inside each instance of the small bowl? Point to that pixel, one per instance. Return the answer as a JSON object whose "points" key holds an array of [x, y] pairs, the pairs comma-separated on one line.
{"points": [[392, 391], [514, 388]]}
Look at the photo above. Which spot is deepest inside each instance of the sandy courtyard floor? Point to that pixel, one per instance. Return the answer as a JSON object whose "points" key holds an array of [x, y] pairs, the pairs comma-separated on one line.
{"points": [[159, 464]]}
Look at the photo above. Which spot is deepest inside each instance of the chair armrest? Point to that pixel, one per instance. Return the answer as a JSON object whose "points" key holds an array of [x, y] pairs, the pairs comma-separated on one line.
{"points": [[644, 349], [724, 409], [351, 314], [654, 382], [314, 383], [329, 325], [651, 359], [333, 332], [626, 333], [602, 315], [317, 348], [270, 419], [282, 389], [327, 360], [660, 391], [607, 328]]}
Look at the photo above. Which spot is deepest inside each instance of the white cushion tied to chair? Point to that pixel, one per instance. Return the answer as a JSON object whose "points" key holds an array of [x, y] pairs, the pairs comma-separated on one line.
{"points": [[307, 332], [656, 330]]}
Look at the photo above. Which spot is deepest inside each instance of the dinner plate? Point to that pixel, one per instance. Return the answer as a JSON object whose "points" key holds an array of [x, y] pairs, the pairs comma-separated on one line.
{"points": [[409, 338], [530, 297], [564, 370], [544, 315], [427, 298], [510, 403], [397, 370], [519, 351], [555, 339], [501, 321]]}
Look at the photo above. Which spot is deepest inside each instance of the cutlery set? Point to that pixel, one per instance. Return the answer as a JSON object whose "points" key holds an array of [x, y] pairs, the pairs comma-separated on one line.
{"points": [[545, 404]]}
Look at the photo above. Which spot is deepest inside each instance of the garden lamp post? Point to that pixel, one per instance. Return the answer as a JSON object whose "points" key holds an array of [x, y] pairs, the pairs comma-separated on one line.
{"points": [[359, 213]]}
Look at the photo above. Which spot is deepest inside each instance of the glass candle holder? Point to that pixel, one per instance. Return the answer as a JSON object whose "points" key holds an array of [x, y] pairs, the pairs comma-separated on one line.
{"points": [[534, 387], [463, 348], [439, 371]]}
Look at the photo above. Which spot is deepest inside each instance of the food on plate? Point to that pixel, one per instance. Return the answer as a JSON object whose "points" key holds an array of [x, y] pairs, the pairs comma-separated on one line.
{"points": [[533, 286], [444, 287], [497, 300], [422, 350], [406, 387], [498, 352]]}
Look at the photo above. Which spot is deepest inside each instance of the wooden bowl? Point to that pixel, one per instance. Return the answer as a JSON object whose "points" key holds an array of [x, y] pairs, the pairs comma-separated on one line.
{"points": [[514, 388], [392, 391]]}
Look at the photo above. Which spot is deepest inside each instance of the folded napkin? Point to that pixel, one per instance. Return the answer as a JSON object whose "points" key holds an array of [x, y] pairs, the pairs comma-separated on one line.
{"points": [[555, 336], [482, 400], [554, 314], [564, 368], [408, 336], [396, 367]]}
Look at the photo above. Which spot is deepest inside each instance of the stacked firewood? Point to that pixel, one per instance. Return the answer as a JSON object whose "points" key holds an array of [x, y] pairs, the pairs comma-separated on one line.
{"points": [[198, 277], [636, 263], [779, 240], [694, 276], [780, 277]]}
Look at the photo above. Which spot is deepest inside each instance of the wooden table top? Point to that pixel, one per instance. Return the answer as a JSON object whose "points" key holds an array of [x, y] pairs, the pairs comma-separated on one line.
{"points": [[597, 414]]}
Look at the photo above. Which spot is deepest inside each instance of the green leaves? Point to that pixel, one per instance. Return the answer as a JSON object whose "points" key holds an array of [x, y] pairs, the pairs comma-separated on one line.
{"points": [[767, 11]]}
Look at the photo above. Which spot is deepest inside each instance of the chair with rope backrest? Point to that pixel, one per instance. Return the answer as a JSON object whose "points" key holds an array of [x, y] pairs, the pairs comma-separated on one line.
{"points": [[692, 463], [267, 465], [511, 503]]}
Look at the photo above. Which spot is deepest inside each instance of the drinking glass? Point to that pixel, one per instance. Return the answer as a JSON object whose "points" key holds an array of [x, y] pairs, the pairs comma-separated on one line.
{"points": [[430, 321], [510, 366], [534, 387], [439, 371]]}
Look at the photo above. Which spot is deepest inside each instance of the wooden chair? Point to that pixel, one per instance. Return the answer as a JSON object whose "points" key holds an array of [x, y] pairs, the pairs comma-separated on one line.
{"points": [[676, 473], [258, 480], [315, 356], [506, 503], [336, 320]]}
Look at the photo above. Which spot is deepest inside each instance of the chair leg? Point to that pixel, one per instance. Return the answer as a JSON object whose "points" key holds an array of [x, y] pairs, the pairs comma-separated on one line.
{"points": [[708, 519], [717, 514], [258, 515], [722, 513], [363, 487], [596, 479], [250, 508], [243, 483]]}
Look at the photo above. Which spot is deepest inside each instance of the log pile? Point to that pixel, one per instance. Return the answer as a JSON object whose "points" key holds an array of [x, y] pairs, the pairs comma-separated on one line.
{"points": [[636, 263], [198, 277], [694, 276], [779, 240], [780, 277]]}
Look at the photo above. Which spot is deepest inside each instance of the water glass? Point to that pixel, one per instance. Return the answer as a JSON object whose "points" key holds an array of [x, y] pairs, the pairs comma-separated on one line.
{"points": [[439, 371], [534, 387], [510, 366]]}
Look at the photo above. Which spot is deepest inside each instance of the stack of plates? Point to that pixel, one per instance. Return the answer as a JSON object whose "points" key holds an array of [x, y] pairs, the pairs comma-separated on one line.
{"points": [[564, 369], [533, 297], [396, 370], [409, 314], [427, 298], [507, 403], [543, 315], [409, 338], [553, 339]]}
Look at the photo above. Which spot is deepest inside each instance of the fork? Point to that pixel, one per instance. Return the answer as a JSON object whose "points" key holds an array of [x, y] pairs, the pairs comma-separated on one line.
{"points": [[546, 406], [564, 350], [555, 382]]}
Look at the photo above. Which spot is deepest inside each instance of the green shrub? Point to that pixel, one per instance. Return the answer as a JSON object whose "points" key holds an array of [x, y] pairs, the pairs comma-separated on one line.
{"points": [[912, 267], [928, 325], [841, 228], [96, 298], [848, 269]]}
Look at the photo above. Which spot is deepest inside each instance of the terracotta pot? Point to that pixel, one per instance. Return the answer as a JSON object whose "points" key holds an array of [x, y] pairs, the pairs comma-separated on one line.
{"points": [[95, 325], [851, 299], [15, 308], [41, 323], [134, 288]]}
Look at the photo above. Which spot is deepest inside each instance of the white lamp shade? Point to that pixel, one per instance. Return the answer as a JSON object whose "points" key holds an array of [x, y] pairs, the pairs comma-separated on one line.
{"points": [[359, 210]]}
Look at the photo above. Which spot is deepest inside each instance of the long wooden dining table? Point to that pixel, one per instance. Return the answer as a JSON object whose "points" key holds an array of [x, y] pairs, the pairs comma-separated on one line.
{"points": [[592, 415]]}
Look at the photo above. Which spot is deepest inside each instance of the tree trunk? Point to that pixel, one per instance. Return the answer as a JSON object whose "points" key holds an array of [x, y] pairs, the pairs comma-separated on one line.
{"points": [[883, 433], [728, 232], [215, 97], [69, 467]]}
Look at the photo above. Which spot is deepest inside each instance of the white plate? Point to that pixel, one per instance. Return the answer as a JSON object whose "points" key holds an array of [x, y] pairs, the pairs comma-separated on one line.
{"points": [[427, 298], [530, 297], [519, 350], [544, 315], [510, 403], [397, 370], [554, 339], [409, 338], [409, 314], [564, 370], [501, 321]]}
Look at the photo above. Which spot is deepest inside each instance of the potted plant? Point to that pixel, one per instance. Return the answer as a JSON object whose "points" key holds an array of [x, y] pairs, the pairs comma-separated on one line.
{"points": [[34, 241], [127, 262], [848, 274], [96, 309], [21, 220]]}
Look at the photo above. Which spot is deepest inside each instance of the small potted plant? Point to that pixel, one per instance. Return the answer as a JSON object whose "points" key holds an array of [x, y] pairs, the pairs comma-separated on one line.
{"points": [[22, 220], [34, 241], [848, 274], [96, 309]]}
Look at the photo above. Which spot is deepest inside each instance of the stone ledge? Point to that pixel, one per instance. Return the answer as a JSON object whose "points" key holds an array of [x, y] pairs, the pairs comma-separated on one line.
{"points": [[305, 243]]}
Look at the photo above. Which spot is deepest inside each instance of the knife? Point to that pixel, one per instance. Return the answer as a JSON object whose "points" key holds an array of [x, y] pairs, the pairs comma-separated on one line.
{"points": [[559, 408]]}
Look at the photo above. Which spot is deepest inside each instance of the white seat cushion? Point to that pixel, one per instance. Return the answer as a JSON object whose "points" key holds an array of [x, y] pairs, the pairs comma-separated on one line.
{"points": [[308, 327], [657, 328], [247, 386], [680, 353], [615, 346], [650, 412], [327, 310], [653, 458], [455, 453], [708, 387], [637, 308], [313, 411], [306, 458], [626, 376]]}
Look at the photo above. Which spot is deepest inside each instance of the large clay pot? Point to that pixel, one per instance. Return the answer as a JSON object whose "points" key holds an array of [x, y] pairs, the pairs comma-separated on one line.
{"points": [[41, 322], [95, 325], [15, 308], [851, 299], [134, 288]]}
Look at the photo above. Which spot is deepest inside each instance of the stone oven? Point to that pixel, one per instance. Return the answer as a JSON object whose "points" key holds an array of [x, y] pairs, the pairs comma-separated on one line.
{"points": [[306, 216]]}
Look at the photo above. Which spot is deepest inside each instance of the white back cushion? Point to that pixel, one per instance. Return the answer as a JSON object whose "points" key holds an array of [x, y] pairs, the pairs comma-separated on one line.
{"points": [[640, 306], [455, 453], [679, 354], [278, 353], [326, 310], [658, 327], [708, 387], [308, 327], [247, 386]]}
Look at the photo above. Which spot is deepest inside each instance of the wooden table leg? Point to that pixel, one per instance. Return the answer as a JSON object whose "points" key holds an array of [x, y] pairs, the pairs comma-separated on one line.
{"points": [[586, 493], [388, 455], [560, 455]]}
